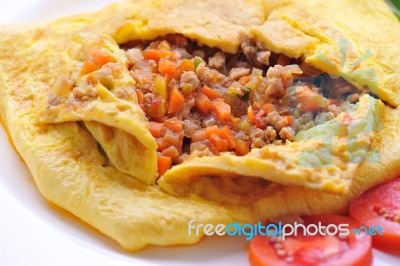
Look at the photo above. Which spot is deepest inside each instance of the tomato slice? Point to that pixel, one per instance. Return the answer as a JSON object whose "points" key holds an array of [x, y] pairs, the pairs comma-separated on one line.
{"points": [[380, 206], [350, 250]]}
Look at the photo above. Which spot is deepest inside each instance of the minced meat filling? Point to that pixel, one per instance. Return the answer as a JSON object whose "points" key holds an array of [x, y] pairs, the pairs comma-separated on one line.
{"points": [[201, 101]]}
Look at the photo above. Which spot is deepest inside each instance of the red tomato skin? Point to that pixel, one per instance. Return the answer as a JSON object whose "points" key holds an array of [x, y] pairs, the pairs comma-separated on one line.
{"points": [[362, 210], [359, 254]]}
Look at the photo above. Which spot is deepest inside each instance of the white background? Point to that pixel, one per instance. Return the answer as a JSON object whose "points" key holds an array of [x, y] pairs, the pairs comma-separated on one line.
{"points": [[33, 233]]}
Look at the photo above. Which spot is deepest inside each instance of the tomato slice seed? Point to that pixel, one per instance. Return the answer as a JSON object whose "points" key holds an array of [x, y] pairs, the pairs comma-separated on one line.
{"points": [[380, 207], [310, 250]]}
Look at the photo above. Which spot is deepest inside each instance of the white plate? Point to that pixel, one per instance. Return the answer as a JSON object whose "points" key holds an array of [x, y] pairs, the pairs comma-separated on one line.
{"points": [[34, 233]]}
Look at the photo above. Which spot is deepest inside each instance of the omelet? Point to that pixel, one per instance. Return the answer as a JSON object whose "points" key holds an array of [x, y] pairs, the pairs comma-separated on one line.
{"points": [[147, 114]]}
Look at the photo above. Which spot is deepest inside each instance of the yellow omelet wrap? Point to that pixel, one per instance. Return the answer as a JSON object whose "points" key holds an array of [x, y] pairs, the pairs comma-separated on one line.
{"points": [[86, 141]]}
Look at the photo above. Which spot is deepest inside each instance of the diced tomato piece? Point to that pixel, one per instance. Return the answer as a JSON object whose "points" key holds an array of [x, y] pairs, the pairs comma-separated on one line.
{"points": [[380, 206]]}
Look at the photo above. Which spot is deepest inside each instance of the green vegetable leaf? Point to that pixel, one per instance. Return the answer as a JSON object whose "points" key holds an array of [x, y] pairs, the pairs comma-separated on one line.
{"points": [[246, 93], [395, 6]]}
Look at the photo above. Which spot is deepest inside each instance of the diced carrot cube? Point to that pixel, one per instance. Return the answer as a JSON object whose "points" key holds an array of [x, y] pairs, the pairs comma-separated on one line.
{"points": [[289, 119], [155, 129], [174, 124], [89, 67], [268, 108], [226, 133], [210, 93], [101, 57], [166, 67], [163, 164], [212, 130], [199, 135], [154, 54], [242, 147], [250, 114], [203, 103], [219, 143], [223, 111], [176, 101], [244, 80]]}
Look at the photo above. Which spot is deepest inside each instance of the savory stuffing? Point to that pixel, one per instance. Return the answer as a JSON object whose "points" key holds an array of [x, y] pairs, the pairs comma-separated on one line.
{"points": [[201, 101]]}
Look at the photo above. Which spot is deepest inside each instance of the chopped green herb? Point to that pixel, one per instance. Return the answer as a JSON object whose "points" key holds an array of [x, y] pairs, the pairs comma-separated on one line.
{"points": [[246, 93], [197, 62]]}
